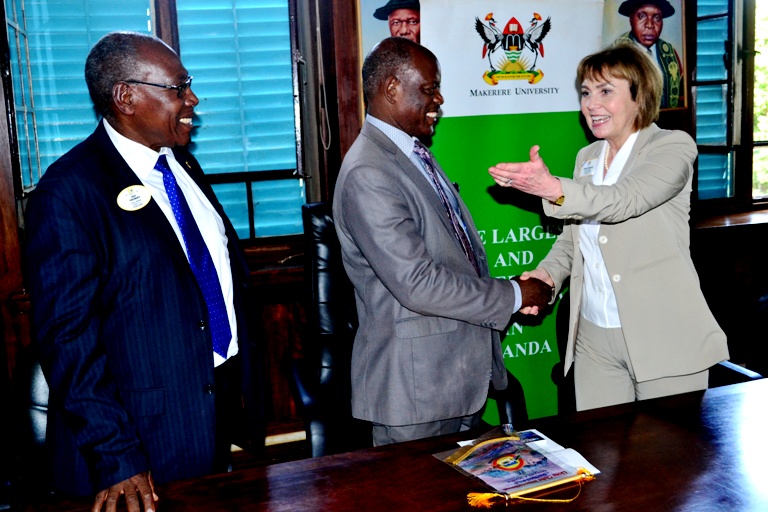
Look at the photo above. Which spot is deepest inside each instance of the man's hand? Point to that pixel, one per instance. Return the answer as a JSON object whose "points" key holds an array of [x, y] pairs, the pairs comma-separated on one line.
{"points": [[536, 292], [137, 490]]}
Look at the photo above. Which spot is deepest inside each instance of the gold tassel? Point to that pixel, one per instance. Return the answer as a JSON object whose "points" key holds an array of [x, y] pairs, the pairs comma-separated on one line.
{"points": [[489, 499], [485, 499]]}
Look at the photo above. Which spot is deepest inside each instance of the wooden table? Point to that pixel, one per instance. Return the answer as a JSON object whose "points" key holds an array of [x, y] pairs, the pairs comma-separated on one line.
{"points": [[705, 451]]}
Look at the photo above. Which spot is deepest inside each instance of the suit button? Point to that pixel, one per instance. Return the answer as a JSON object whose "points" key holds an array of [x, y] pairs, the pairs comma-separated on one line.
{"points": [[210, 389], [202, 324], [616, 278], [603, 239]]}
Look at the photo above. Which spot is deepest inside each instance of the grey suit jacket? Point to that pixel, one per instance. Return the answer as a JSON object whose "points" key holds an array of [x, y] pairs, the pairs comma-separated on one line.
{"points": [[426, 346], [644, 239]]}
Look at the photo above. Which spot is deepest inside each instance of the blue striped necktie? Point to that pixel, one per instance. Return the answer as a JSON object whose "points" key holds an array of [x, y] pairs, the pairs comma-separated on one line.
{"points": [[200, 261], [453, 217]]}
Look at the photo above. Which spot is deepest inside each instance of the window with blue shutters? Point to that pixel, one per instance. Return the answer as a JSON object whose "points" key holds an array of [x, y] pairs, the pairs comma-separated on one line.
{"points": [[239, 52], [713, 94], [240, 55], [48, 43], [731, 103]]}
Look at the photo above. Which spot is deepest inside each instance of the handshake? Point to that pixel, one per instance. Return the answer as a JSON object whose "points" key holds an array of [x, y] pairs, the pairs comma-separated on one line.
{"points": [[537, 293]]}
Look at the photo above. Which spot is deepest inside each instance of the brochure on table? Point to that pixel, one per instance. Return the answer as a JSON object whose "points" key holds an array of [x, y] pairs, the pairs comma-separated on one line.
{"points": [[517, 463]]}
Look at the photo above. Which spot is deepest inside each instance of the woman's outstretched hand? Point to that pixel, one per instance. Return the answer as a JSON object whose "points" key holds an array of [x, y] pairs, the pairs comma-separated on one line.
{"points": [[532, 177]]}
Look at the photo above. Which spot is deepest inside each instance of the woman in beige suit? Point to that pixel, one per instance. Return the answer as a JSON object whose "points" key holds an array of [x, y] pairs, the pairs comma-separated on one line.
{"points": [[639, 326]]}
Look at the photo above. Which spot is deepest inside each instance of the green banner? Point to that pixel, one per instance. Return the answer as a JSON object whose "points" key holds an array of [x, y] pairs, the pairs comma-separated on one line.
{"points": [[515, 231]]}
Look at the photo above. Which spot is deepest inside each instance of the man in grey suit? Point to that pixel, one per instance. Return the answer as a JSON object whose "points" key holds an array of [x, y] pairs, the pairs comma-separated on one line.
{"points": [[427, 345]]}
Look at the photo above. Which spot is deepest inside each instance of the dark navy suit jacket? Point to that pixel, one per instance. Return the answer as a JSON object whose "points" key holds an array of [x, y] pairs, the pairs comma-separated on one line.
{"points": [[121, 327]]}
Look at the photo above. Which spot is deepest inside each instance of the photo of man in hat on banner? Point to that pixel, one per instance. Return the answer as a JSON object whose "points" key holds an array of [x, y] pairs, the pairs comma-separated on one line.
{"points": [[647, 19], [402, 18]]}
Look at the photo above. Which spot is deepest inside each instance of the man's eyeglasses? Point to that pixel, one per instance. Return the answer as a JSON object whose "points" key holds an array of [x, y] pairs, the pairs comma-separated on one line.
{"points": [[179, 88]]}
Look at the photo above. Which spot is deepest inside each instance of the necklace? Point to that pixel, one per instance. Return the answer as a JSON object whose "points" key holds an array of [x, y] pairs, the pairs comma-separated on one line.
{"points": [[605, 162]]}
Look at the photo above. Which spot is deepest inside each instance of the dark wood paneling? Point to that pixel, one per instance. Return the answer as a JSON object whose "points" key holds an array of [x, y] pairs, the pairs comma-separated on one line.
{"points": [[277, 273], [14, 326], [348, 66], [731, 263], [165, 11], [343, 82]]}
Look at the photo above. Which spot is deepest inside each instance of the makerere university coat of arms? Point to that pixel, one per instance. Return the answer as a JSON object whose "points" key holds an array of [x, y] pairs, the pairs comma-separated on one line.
{"points": [[504, 48]]}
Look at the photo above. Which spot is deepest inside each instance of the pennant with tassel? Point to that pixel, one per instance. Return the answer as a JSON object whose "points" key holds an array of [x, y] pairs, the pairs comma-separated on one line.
{"points": [[491, 499]]}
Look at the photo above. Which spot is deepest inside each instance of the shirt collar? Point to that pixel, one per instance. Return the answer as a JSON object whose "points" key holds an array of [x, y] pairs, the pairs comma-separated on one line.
{"points": [[139, 157], [617, 166], [401, 139]]}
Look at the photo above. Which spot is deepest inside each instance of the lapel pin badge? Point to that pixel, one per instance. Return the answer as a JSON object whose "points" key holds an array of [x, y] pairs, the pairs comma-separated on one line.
{"points": [[134, 197]]}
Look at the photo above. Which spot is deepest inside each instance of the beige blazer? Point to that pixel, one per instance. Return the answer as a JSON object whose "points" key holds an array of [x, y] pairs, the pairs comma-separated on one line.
{"points": [[644, 239], [427, 345]]}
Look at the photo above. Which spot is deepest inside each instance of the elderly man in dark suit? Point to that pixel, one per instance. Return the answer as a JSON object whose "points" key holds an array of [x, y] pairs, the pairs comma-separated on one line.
{"points": [[428, 341], [139, 291]]}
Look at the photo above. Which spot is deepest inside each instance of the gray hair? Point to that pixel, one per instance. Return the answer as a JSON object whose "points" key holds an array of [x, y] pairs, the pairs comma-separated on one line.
{"points": [[112, 59]]}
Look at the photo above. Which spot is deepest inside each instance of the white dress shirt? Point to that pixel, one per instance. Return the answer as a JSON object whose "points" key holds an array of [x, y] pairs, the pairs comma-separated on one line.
{"points": [[142, 160], [598, 302]]}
